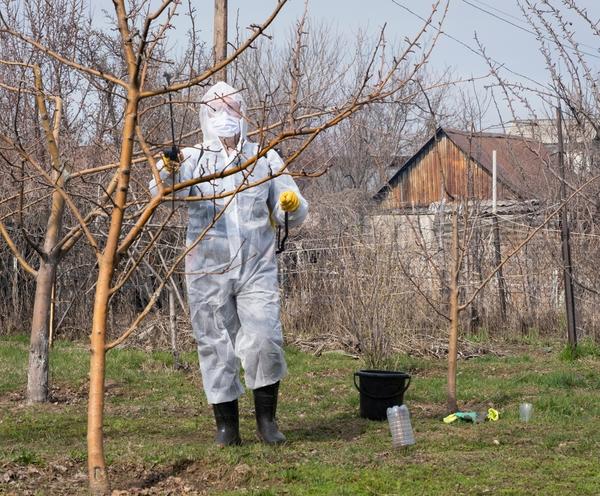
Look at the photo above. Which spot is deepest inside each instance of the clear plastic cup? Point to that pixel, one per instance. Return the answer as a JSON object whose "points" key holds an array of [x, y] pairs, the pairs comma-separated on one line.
{"points": [[400, 427], [525, 412]]}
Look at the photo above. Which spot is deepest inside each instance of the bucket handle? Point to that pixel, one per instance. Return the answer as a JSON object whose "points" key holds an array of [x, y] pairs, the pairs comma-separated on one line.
{"points": [[379, 397]]}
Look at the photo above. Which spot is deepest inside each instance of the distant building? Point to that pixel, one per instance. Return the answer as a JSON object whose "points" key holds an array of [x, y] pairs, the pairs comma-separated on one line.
{"points": [[456, 165], [581, 140], [542, 130]]}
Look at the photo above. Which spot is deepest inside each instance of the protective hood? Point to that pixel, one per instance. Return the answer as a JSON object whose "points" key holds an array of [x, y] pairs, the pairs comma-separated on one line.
{"points": [[222, 113]]}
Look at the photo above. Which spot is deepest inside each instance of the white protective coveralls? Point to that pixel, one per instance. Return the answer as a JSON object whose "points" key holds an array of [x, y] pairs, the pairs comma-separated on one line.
{"points": [[231, 274]]}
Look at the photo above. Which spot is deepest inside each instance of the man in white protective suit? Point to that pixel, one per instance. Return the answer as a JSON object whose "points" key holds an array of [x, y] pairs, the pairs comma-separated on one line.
{"points": [[231, 273]]}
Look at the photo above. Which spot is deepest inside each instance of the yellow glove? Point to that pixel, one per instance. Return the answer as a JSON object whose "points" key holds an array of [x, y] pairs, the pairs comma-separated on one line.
{"points": [[289, 201], [493, 415], [450, 418]]}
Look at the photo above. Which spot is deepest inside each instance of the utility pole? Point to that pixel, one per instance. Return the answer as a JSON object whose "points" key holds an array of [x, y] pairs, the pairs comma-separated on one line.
{"points": [[496, 229], [565, 238], [220, 37]]}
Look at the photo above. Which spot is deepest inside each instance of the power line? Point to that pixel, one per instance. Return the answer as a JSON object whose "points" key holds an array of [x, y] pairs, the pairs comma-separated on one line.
{"points": [[591, 47], [471, 49], [500, 18], [499, 10], [529, 31]]}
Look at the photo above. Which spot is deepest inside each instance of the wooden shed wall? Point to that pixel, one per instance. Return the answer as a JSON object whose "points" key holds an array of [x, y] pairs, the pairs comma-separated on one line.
{"points": [[421, 183]]}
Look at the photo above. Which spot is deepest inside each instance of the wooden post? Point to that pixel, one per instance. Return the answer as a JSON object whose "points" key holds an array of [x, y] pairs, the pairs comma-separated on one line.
{"points": [[220, 37], [497, 249], [452, 403], [173, 328], [15, 289], [565, 239], [494, 181]]}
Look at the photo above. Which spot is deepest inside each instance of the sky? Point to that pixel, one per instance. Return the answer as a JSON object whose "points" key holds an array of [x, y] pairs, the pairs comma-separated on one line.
{"points": [[499, 25]]}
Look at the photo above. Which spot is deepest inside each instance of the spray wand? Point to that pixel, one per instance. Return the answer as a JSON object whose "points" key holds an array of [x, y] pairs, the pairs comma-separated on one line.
{"points": [[282, 239], [171, 155]]}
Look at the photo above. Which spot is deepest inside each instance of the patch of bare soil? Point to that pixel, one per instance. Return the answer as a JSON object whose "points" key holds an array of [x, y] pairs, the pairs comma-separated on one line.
{"points": [[56, 479], [67, 395], [59, 394], [428, 410], [186, 477]]}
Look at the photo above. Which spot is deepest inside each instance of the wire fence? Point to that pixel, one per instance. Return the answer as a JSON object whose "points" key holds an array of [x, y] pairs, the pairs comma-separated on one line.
{"points": [[406, 260], [390, 276]]}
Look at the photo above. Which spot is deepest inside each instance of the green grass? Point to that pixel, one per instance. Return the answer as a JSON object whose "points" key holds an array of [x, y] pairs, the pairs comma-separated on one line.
{"points": [[159, 429], [583, 349]]}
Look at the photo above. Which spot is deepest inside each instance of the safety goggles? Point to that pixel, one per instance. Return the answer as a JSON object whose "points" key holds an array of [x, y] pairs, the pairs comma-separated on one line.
{"points": [[224, 104]]}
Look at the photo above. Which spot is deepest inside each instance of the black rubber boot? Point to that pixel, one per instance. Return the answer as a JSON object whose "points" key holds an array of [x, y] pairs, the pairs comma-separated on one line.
{"points": [[228, 423], [265, 405]]}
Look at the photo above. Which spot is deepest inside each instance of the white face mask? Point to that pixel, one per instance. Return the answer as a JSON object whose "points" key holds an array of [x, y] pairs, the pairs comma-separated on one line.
{"points": [[225, 125]]}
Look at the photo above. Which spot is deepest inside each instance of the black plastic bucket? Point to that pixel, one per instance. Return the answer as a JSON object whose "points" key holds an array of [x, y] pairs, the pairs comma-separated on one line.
{"points": [[379, 390]]}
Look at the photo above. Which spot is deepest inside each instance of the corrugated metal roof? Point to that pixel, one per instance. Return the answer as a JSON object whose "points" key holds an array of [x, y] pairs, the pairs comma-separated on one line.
{"points": [[521, 163]]}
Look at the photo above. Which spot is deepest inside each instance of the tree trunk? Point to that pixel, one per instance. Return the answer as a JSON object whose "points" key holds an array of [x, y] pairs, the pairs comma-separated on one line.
{"points": [[37, 374], [39, 360], [107, 261], [453, 339], [98, 478]]}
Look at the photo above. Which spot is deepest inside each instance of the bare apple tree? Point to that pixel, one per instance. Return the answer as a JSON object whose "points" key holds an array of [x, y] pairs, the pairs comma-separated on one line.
{"points": [[114, 221]]}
